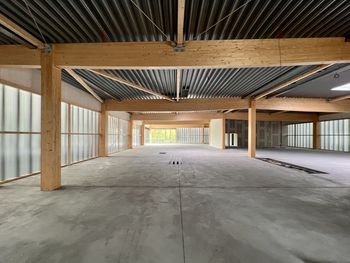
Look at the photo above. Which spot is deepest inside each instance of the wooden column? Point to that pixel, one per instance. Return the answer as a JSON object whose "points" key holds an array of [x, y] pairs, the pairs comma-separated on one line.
{"points": [[142, 134], [316, 135], [130, 134], [203, 141], [223, 133], [252, 130], [103, 138], [50, 122]]}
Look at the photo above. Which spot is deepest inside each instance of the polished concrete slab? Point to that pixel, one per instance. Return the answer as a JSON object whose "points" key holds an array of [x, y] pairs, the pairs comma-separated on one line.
{"points": [[215, 206]]}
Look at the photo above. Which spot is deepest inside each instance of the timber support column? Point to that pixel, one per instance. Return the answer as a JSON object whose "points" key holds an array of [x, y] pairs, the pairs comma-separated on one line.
{"points": [[142, 134], [50, 122], [316, 135], [130, 130], [223, 138], [203, 141], [102, 144], [252, 130]]}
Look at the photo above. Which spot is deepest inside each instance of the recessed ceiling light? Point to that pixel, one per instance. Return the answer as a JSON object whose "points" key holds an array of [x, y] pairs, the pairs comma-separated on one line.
{"points": [[345, 87]]}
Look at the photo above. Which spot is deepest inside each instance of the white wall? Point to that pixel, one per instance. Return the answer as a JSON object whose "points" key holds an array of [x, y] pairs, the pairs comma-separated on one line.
{"points": [[30, 79], [216, 133]]}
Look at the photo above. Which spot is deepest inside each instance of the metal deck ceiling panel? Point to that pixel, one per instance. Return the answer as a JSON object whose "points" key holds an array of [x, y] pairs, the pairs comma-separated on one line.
{"points": [[266, 19], [206, 83], [94, 20]]}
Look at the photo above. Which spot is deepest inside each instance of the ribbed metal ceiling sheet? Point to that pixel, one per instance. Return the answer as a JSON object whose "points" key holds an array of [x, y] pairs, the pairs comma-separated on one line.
{"points": [[94, 20], [119, 20], [266, 18]]}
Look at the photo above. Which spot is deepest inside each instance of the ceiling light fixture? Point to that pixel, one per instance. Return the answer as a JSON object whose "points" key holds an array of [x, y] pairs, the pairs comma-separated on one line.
{"points": [[345, 87]]}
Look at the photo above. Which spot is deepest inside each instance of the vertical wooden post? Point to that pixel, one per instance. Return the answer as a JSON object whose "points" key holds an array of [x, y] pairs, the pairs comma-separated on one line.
{"points": [[69, 151], [142, 134], [252, 130], [103, 143], [223, 133], [203, 141], [316, 135], [50, 122], [130, 130]]}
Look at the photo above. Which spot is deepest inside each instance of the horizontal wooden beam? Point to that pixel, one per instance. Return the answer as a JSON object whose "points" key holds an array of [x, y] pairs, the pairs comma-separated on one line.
{"points": [[197, 54], [201, 116], [16, 56], [5, 22], [130, 84], [303, 105], [293, 80], [277, 104], [182, 105]]}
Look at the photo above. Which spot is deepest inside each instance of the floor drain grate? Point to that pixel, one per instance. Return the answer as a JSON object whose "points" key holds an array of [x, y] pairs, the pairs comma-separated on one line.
{"points": [[291, 166], [162, 152], [175, 162]]}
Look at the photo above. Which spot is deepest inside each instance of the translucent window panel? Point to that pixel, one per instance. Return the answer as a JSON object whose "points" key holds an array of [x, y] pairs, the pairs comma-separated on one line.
{"points": [[10, 157], [36, 152], [64, 149], [24, 154], [64, 117], [36, 113], [75, 148], [25, 114], [74, 119], [11, 109]]}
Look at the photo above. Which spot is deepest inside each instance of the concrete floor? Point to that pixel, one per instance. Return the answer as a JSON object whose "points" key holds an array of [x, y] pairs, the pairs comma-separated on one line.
{"points": [[217, 206]]}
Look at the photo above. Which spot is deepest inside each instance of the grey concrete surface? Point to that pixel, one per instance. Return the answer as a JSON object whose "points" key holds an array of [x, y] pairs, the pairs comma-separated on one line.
{"points": [[217, 206]]}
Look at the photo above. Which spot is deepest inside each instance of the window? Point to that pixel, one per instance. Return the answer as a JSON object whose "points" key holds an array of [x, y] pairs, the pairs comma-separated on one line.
{"points": [[335, 134], [178, 135], [300, 135]]}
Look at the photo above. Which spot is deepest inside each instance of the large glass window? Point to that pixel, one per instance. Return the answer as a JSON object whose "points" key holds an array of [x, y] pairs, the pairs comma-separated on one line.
{"points": [[300, 135], [177, 135], [335, 135], [20, 149]]}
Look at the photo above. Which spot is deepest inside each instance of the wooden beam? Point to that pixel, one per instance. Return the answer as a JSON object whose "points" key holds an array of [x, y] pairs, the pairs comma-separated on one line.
{"points": [[130, 84], [103, 138], [198, 54], [130, 130], [223, 130], [340, 98], [182, 105], [252, 130], [278, 112], [83, 83], [293, 80], [16, 56], [303, 105], [142, 134], [50, 124], [203, 136], [178, 84], [5, 22], [180, 22], [206, 116], [174, 126], [316, 135]]}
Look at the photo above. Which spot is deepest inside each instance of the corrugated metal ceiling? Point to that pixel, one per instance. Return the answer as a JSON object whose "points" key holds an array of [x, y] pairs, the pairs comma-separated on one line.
{"points": [[119, 20]]}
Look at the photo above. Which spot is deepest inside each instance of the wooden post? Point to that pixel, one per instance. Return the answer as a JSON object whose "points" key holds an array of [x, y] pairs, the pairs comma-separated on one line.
{"points": [[102, 145], [316, 135], [50, 122], [252, 130], [142, 135], [203, 141], [223, 133], [130, 134]]}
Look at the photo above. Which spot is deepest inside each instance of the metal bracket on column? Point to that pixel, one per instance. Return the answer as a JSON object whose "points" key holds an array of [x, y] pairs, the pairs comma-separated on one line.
{"points": [[47, 49], [179, 48]]}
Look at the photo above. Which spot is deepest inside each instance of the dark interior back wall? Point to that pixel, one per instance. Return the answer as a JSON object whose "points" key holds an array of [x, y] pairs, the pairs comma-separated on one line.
{"points": [[268, 134]]}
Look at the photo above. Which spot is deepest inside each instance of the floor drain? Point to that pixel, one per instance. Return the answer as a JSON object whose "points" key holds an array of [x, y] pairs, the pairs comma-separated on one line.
{"points": [[175, 162], [162, 152], [291, 166]]}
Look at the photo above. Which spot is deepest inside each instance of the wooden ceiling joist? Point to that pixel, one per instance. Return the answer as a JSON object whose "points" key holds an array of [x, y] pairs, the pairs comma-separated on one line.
{"points": [[5, 22], [198, 54], [130, 84], [180, 22], [276, 104], [84, 84], [292, 81]]}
